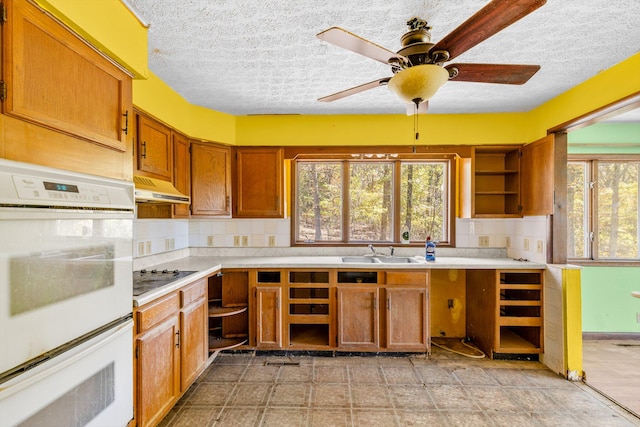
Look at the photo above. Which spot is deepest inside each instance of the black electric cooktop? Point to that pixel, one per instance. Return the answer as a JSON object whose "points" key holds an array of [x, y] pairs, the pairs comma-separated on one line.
{"points": [[148, 280]]}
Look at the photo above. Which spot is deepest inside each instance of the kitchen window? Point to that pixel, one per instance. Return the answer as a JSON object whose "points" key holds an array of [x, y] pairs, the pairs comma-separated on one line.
{"points": [[371, 198], [602, 210]]}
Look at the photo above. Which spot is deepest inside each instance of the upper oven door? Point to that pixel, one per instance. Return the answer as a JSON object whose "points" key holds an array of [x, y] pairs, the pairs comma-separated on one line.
{"points": [[63, 273]]}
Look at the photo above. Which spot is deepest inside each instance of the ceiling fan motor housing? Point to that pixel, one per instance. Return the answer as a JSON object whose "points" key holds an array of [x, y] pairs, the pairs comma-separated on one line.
{"points": [[416, 45]]}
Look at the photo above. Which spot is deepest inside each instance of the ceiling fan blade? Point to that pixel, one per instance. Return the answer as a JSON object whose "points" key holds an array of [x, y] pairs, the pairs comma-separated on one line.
{"points": [[422, 108], [509, 74], [354, 90], [350, 41], [494, 17]]}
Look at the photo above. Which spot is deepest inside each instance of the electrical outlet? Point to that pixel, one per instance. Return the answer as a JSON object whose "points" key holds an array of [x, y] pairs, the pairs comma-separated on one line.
{"points": [[483, 241], [140, 248], [507, 242], [148, 247], [236, 240], [272, 240], [245, 240], [526, 244], [209, 240], [539, 246], [638, 317], [167, 244], [172, 243]]}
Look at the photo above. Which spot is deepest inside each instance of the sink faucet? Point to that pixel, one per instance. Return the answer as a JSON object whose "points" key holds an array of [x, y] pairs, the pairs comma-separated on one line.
{"points": [[372, 249]]}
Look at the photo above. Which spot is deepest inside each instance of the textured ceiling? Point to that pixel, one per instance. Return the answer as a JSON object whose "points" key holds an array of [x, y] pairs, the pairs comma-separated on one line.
{"points": [[262, 57]]}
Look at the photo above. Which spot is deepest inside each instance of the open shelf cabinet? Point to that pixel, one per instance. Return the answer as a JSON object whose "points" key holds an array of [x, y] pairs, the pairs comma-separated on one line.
{"points": [[228, 310], [506, 316]]}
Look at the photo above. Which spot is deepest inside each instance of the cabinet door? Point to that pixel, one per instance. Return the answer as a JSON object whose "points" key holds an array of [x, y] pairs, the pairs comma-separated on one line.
{"points": [[210, 180], [181, 172], [358, 319], [269, 316], [193, 341], [407, 315], [537, 176], [259, 183], [155, 152], [57, 80], [158, 372]]}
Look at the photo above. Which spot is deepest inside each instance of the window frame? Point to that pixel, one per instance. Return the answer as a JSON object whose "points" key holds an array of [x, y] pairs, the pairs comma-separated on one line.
{"points": [[591, 162], [396, 160]]}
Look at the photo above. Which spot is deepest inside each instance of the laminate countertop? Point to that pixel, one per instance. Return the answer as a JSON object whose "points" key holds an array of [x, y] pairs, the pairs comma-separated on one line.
{"points": [[204, 266]]}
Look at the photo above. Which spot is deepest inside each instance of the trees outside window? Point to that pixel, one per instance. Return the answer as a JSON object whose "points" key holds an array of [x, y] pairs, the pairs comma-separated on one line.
{"points": [[603, 200], [354, 201]]}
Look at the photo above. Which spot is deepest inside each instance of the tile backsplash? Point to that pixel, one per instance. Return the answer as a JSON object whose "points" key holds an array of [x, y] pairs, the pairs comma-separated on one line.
{"points": [[522, 237]]}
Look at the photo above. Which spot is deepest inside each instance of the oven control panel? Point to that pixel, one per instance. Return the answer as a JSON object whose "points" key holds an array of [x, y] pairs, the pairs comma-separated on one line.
{"points": [[26, 184], [32, 188]]}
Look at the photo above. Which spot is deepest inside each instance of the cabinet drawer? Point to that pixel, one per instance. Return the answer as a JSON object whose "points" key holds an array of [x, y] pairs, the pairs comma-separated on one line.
{"points": [[156, 311], [406, 278], [192, 292]]}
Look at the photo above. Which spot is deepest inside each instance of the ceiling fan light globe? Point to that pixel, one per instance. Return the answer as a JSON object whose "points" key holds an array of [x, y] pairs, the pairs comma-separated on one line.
{"points": [[418, 82]]}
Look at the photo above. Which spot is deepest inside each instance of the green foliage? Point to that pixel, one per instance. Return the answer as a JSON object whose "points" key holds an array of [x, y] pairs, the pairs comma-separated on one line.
{"points": [[370, 199]]}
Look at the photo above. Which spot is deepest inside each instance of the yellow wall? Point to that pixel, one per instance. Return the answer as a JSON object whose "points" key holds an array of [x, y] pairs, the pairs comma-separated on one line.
{"points": [[434, 129], [156, 98], [109, 25]]}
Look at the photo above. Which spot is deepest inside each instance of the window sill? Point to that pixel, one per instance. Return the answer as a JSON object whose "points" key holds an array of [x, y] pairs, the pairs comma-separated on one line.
{"points": [[607, 263]]}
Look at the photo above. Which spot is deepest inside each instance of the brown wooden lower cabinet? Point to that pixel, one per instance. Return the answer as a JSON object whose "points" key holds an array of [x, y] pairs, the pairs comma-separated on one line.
{"points": [[269, 317], [406, 318], [505, 311], [157, 359], [193, 332], [170, 350], [358, 317], [344, 310]]}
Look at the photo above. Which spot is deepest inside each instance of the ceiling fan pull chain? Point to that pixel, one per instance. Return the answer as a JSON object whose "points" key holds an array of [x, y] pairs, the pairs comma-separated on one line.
{"points": [[415, 122]]}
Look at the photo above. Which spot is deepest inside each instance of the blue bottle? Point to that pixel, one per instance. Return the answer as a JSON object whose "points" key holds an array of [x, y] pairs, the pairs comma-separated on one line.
{"points": [[430, 250]]}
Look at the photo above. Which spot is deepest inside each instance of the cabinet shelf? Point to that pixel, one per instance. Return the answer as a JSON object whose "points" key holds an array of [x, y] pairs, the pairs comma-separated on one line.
{"points": [[217, 311], [228, 310], [216, 344], [495, 193]]}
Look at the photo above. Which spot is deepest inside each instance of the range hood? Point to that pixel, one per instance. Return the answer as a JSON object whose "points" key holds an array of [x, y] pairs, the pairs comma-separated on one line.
{"points": [[151, 190]]}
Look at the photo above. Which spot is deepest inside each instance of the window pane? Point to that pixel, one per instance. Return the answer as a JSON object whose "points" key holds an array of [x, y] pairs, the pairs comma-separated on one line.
{"points": [[577, 210], [319, 201], [618, 210], [423, 202], [370, 191]]}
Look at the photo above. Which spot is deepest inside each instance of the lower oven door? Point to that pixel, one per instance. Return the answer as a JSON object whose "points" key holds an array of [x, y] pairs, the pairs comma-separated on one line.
{"points": [[89, 385], [63, 274]]}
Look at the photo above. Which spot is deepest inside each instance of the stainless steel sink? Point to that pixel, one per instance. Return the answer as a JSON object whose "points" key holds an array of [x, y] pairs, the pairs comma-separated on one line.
{"points": [[380, 260], [398, 260], [360, 259]]}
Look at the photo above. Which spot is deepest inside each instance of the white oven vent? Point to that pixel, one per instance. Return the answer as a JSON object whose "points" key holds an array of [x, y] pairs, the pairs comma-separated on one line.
{"points": [[151, 190]]}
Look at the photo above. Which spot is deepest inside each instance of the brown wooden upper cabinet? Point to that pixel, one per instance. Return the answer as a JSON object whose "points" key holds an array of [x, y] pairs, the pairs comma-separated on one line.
{"points": [[507, 181], [259, 183], [490, 182], [65, 104], [181, 172], [154, 151], [210, 179], [537, 176]]}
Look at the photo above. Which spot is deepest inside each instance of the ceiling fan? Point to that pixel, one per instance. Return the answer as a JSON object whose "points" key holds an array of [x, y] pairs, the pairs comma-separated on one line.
{"points": [[418, 67]]}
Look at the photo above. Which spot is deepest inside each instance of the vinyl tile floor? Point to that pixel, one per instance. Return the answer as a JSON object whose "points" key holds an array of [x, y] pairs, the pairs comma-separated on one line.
{"points": [[244, 389]]}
